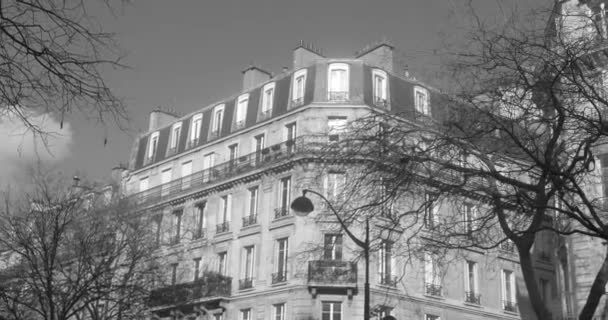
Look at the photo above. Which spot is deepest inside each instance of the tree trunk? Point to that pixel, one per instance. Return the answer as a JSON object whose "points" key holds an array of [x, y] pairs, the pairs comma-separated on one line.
{"points": [[596, 292], [527, 269]]}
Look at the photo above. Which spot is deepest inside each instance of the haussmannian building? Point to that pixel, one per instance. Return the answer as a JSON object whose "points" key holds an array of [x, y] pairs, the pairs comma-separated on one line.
{"points": [[218, 184]]}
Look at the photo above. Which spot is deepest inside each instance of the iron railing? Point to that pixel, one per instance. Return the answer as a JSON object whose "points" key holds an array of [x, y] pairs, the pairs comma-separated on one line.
{"points": [[223, 171], [250, 220], [281, 212], [380, 102], [338, 95], [265, 114], [472, 297], [433, 289], [279, 277], [297, 102], [333, 272], [183, 293], [246, 283], [172, 151], [508, 305], [388, 280], [223, 227], [238, 125], [191, 143], [214, 134]]}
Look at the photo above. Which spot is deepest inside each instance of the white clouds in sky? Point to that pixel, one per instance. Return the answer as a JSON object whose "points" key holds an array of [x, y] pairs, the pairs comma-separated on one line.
{"points": [[20, 148]]}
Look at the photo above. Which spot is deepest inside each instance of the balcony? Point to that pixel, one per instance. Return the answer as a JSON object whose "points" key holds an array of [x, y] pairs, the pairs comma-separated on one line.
{"points": [[297, 102], [338, 96], [279, 277], [191, 143], [208, 286], [265, 114], [222, 227], [388, 280], [256, 160], [238, 125], [433, 289], [250, 220], [472, 297], [332, 276], [509, 306], [246, 283], [380, 102], [281, 212]]}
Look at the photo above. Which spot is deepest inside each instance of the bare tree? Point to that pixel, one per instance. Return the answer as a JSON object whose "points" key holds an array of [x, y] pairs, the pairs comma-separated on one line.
{"points": [[518, 138], [51, 58], [69, 253]]}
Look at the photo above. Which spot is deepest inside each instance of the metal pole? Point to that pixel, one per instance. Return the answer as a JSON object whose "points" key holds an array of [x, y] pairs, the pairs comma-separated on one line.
{"points": [[366, 251]]}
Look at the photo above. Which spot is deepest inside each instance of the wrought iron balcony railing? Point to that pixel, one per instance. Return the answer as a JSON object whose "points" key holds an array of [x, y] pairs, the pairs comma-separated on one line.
{"points": [[276, 153], [332, 272], [223, 227], [206, 286], [338, 95], [265, 114], [380, 102], [191, 143], [238, 125], [172, 151], [508, 305], [246, 283], [281, 212], [472, 297], [297, 102], [388, 280], [433, 289], [250, 220], [279, 277]]}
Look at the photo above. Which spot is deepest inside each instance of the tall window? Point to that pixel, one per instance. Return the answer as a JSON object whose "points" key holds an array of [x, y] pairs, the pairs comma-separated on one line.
{"points": [[248, 266], [335, 127], [290, 136], [197, 268], [245, 314], [334, 185], [195, 129], [158, 219], [431, 214], [281, 262], [165, 178], [278, 311], [267, 100], [332, 247], [222, 260], [224, 214], [152, 147], [175, 135], [201, 221], [470, 285], [251, 218], [469, 218], [337, 82], [379, 87], [421, 101], [208, 163], [233, 154], [241, 111], [544, 288], [508, 290], [284, 197], [177, 226], [186, 172], [331, 310], [299, 86], [259, 146], [174, 273], [218, 118], [386, 263], [432, 275]]}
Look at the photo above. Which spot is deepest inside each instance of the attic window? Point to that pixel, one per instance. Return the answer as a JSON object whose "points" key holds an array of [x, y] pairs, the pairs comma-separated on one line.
{"points": [[421, 101]]}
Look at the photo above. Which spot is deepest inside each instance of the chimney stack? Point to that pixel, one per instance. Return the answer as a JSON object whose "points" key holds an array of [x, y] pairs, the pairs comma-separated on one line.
{"points": [[378, 54], [305, 54], [160, 118], [254, 76]]}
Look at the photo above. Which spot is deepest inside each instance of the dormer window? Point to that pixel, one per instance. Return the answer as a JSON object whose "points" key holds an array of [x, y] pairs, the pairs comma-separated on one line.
{"points": [[380, 88], [267, 100], [421, 101], [337, 89], [175, 135], [195, 130], [299, 85], [152, 146], [241, 111], [216, 125]]}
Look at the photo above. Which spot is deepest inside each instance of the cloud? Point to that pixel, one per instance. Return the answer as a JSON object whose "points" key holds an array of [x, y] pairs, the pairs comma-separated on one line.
{"points": [[21, 149]]}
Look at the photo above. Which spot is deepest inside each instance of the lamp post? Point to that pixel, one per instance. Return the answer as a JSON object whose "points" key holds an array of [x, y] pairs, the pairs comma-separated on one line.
{"points": [[303, 206]]}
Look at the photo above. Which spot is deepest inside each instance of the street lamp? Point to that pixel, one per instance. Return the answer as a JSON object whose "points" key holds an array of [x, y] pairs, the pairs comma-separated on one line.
{"points": [[303, 206]]}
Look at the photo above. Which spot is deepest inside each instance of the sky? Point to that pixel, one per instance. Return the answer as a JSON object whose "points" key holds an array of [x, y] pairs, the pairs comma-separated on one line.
{"points": [[187, 54]]}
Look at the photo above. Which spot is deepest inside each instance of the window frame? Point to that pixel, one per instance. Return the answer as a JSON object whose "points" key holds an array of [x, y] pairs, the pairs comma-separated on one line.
{"points": [[332, 312], [278, 315], [176, 133], [334, 249], [425, 109], [340, 94], [334, 131], [152, 149], [216, 123], [240, 112], [267, 102], [195, 133], [200, 219], [382, 99], [297, 98]]}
